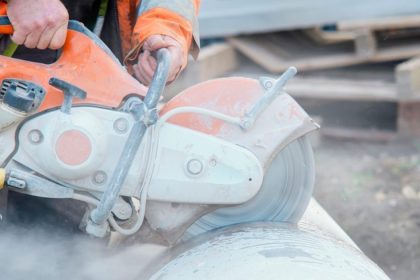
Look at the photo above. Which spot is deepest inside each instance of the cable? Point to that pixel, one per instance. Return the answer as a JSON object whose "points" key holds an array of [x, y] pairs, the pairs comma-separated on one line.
{"points": [[140, 216], [85, 198], [136, 227], [201, 111]]}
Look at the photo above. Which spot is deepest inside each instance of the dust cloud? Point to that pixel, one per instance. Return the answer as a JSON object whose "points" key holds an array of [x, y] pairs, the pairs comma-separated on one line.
{"points": [[41, 240], [38, 254]]}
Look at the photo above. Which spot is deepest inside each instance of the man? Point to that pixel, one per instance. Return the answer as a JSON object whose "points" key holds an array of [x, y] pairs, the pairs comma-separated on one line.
{"points": [[143, 28]]}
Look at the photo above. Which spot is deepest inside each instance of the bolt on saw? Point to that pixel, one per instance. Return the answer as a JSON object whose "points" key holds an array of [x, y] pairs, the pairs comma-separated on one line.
{"points": [[222, 152]]}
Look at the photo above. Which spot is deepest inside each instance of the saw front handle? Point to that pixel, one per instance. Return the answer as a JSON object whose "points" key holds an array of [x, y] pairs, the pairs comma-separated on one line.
{"points": [[145, 115]]}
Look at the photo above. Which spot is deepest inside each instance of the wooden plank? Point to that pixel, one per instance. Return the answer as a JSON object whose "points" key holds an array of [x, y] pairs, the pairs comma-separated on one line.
{"points": [[358, 134], [275, 52], [407, 76], [407, 21], [365, 43], [341, 89], [221, 18], [329, 37], [350, 30], [408, 119], [213, 61]]}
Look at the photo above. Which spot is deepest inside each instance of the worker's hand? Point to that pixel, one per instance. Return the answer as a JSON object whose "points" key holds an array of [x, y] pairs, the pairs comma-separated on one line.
{"points": [[38, 23], [146, 65]]}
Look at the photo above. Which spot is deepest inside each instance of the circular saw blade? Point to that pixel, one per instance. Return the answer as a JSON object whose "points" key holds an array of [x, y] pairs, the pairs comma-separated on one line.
{"points": [[283, 197]]}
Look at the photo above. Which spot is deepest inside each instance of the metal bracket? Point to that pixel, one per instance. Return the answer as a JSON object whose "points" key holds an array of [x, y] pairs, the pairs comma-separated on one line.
{"points": [[25, 182], [273, 89]]}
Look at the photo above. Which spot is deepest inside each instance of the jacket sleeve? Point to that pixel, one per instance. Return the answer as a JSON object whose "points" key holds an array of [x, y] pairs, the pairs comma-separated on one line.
{"points": [[175, 18]]}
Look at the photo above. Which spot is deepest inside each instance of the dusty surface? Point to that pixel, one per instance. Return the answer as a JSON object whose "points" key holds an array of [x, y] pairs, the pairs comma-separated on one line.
{"points": [[373, 192]]}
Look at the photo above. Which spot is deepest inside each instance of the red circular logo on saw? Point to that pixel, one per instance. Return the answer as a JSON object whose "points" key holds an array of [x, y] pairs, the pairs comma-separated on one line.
{"points": [[73, 147]]}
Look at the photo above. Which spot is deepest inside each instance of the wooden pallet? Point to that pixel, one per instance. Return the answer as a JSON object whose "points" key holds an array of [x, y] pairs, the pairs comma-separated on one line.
{"points": [[404, 91], [352, 30], [354, 42], [275, 52]]}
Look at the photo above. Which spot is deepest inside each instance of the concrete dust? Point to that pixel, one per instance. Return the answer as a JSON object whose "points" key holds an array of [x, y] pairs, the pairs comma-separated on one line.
{"points": [[38, 254], [41, 240]]}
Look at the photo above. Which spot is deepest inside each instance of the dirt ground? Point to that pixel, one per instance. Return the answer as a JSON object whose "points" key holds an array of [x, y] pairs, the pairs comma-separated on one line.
{"points": [[373, 192]]}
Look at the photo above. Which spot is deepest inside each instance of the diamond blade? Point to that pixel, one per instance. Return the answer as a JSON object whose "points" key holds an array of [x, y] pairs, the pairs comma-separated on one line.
{"points": [[283, 197]]}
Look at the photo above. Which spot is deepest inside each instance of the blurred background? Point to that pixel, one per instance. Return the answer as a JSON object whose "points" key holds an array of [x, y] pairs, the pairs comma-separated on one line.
{"points": [[359, 77]]}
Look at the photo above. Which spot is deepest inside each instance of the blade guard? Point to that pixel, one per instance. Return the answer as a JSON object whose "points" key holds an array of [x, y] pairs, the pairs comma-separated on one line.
{"points": [[281, 123], [85, 62]]}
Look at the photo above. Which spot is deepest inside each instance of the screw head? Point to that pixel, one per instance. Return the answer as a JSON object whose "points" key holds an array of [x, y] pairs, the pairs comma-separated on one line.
{"points": [[195, 166], [213, 162], [99, 177], [246, 124], [121, 125], [35, 136], [268, 84]]}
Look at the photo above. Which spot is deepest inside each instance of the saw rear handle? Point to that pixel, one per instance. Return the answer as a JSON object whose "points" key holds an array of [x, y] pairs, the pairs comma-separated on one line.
{"points": [[70, 91]]}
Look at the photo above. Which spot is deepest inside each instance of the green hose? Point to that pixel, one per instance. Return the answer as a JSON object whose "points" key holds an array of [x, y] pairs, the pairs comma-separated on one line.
{"points": [[10, 49]]}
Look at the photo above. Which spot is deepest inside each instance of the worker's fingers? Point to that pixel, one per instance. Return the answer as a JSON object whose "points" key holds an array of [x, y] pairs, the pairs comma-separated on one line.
{"points": [[19, 37], [45, 39], [48, 35], [154, 43], [32, 39], [146, 65], [38, 23], [59, 37], [152, 62], [173, 76], [176, 63], [139, 75]]}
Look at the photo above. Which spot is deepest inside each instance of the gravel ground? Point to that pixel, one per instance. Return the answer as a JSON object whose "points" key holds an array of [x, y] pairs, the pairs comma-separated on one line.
{"points": [[373, 192]]}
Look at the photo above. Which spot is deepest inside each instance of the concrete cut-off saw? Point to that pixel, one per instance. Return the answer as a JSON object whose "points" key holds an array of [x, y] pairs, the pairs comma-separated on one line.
{"points": [[223, 152], [218, 176]]}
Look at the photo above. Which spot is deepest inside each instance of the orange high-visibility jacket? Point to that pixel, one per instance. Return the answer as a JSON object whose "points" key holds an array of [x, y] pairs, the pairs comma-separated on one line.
{"points": [[138, 19]]}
